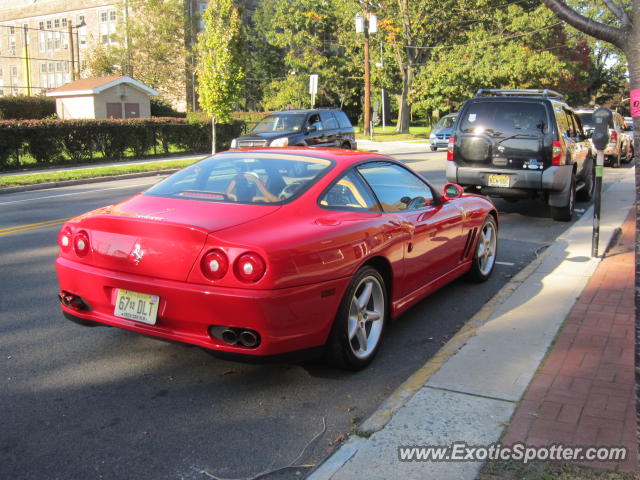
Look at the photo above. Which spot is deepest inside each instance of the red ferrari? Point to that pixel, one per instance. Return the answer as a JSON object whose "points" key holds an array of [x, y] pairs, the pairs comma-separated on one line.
{"points": [[235, 255]]}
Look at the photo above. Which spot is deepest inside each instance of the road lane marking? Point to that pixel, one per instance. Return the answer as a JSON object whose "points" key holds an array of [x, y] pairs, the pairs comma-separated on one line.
{"points": [[38, 224], [508, 264], [32, 226], [73, 193]]}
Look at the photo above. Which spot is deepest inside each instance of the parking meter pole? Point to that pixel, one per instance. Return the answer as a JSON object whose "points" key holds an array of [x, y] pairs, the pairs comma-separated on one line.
{"points": [[598, 201]]}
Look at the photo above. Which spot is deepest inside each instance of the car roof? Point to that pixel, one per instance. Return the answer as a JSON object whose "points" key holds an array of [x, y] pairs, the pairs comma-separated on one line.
{"points": [[340, 156]]}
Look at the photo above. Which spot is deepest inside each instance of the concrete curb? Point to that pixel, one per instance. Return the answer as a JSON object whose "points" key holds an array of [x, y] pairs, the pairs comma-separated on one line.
{"points": [[415, 383], [81, 181]]}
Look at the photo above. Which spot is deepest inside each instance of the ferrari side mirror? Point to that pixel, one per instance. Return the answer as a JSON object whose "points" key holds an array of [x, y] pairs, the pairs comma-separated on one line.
{"points": [[451, 191]]}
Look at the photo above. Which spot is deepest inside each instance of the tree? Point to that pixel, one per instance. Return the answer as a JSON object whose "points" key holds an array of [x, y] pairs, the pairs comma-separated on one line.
{"points": [[509, 50], [623, 32], [219, 62], [314, 38], [413, 28], [149, 45]]}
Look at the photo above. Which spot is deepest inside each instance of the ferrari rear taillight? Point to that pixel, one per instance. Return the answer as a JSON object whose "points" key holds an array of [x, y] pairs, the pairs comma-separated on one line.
{"points": [[214, 264], [614, 137], [556, 154], [81, 243], [452, 140], [64, 239], [249, 267]]}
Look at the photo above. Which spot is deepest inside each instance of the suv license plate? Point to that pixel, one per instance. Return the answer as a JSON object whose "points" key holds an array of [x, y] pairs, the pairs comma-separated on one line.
{"points": [[137, 306], [498, 181]]}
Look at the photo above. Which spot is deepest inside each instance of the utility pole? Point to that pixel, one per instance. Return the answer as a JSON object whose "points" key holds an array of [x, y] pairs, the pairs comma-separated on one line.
{"points": [[26, 58], [72, 57], [367, 73]]}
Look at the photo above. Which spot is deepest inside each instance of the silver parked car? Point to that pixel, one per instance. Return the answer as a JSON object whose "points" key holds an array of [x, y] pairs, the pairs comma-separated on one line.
{"points": [[441, 133], [620, 147]]}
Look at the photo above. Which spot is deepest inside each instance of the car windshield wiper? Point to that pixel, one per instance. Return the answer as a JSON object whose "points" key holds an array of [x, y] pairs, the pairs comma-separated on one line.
{"points": [[518, 135]]}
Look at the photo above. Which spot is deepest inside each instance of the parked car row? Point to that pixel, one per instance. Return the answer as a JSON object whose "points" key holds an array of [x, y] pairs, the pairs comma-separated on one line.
{"points": [[620, 147]]}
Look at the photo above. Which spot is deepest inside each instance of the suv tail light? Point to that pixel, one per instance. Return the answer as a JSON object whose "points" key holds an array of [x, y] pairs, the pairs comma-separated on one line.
{"points": [[614, 137], [556, 154], [452, 141], [249, 267], [214, 264]]}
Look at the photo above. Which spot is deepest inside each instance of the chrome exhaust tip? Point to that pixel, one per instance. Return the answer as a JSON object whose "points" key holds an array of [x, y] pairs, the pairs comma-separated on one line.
{"points": [[229, 336], [249, 339]]}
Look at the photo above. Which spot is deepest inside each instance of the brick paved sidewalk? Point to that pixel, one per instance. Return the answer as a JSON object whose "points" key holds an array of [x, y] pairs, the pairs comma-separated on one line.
{"points": [[584, 392]]}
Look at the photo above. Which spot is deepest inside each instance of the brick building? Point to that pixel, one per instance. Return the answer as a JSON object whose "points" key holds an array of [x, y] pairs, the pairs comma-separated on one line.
{"points": [[45, 43]]}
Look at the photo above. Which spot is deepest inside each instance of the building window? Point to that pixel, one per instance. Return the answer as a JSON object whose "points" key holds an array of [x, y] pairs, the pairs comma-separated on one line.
{"points": [[42, 45], [43, 68], [12, 45], [107, 26], [52, 67], [25, 28], [43, 80], [56, 23], [49, 40], [41, 24], [64, 22], [12, 30], [48, 24], [13, 79]]}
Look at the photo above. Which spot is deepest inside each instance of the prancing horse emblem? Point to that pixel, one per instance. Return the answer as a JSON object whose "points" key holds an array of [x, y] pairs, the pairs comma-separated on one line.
{"points": [[137, 254]]}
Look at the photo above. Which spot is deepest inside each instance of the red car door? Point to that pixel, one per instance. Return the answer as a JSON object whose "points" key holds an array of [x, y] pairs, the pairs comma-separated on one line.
{"points": [[434, 240]]}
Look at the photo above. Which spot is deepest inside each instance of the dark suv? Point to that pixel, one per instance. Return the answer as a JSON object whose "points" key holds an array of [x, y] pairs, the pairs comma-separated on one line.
{"points": [[325, 128], [522, 143]]}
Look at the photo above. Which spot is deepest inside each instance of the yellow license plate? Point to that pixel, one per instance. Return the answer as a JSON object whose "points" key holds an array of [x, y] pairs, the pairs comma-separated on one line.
{"points": [[137, 306], [498, 181]]}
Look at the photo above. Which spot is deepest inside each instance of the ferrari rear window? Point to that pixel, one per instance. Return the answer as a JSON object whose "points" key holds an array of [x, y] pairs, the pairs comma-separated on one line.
{"points": [[258, 178]]}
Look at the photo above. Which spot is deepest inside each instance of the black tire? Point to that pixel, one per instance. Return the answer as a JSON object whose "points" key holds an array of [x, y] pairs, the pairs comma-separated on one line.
{"points": [[565, 214], [614, 160], [341, 350], [346, 146], [433, 148], [482, 266], [585, 194]]}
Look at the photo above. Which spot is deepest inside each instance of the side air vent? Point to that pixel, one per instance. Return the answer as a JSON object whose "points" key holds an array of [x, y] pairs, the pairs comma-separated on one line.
{"points": [[471, 236]]}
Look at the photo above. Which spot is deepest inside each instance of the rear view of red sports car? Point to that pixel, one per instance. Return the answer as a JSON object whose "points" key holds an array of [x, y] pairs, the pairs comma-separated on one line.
{"points": [[235, 255]]}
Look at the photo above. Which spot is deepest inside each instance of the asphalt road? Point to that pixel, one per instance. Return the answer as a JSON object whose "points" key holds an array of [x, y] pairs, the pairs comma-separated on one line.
{"points": [[82, 403]]}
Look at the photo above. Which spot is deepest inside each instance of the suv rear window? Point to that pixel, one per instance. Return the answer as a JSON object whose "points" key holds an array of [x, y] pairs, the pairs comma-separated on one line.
{"points": [[504, 118], [343, 120], [286, 122], [587, 119]]}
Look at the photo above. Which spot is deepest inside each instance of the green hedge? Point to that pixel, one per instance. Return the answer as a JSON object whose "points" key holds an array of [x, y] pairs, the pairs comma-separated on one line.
{"points": [[75, 141], [24, 108]]}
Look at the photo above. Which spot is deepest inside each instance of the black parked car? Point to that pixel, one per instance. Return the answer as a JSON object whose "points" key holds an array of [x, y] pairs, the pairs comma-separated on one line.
{"points": [[522, 143], [326, 128]]}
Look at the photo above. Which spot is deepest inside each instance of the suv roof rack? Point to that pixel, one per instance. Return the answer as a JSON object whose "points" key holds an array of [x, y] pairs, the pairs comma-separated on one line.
{"points": [[521, 92]]}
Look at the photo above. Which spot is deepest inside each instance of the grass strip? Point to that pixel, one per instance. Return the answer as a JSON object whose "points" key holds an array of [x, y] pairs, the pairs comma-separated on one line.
{"points": [[388, 134], [79, 174]]}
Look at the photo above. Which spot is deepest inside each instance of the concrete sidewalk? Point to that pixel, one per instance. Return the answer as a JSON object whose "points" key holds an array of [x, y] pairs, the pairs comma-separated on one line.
{"points": [[471, 388]]}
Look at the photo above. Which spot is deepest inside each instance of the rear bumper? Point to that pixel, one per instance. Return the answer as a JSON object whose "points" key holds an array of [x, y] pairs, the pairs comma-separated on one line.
{"points": [[287, 320], [553, 179]]}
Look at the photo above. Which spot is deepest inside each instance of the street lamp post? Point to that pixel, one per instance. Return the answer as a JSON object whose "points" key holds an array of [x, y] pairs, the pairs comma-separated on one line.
{"points": [[366, 23]]}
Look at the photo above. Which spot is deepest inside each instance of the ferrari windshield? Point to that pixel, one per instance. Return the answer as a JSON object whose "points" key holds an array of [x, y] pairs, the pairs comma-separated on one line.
{"points": [[246, 177], [283, 122]]}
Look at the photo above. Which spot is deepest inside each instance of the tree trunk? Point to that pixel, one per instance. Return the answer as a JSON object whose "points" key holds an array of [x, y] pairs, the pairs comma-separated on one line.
{"points": [[213, 134], [405, 109]]}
